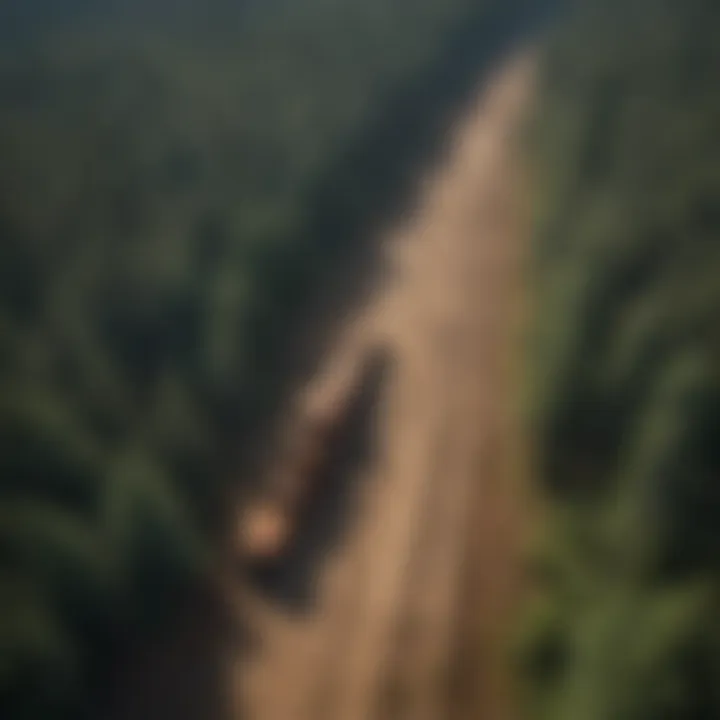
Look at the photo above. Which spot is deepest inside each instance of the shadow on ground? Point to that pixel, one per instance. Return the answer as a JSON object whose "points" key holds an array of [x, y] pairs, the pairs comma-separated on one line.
{"points": [[182, 674], [291, 580]]}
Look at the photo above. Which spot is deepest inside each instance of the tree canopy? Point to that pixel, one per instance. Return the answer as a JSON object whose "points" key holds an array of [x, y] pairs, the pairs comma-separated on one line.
{"points": [[625, 404]]}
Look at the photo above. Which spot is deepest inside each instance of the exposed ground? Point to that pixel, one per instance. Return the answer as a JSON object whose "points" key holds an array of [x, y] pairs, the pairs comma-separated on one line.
{"points": [[394, 601]]}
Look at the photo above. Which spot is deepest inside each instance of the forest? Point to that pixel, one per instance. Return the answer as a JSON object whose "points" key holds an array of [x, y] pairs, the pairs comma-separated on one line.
{"points": [[624, 386], [176, 179]]}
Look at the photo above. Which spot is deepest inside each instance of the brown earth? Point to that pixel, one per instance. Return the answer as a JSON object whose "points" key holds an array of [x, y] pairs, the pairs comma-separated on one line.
{"points": [[395, 599]]}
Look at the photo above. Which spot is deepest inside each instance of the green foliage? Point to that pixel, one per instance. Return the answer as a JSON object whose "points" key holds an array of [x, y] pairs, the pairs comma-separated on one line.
{"points": [[626, 355], [149, 533], [627, 656], [41, 663]]}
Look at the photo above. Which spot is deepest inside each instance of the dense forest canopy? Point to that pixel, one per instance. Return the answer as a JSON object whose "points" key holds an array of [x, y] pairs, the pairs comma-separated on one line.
{"points": [[175, 177], [625, 376]]}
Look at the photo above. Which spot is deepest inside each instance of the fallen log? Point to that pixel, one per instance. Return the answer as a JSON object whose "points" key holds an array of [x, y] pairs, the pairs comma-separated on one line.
{"points": [[268, 524]]}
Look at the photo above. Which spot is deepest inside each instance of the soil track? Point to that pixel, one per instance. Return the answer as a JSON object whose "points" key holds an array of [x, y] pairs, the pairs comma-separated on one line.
{"points": [[380, 635], [415, 543]]}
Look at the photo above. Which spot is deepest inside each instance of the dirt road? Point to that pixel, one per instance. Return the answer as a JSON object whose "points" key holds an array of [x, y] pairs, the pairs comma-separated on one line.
{"points": [[379, 639], [400, 601]]}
